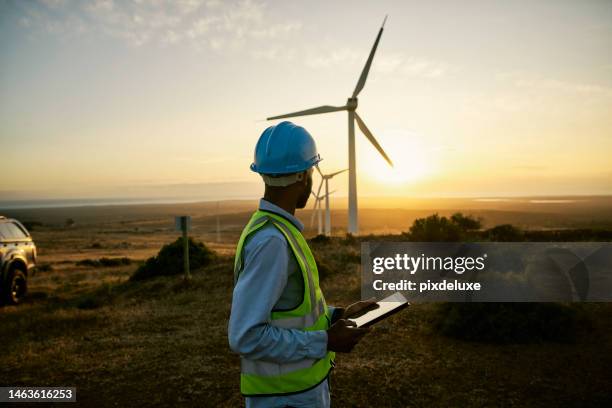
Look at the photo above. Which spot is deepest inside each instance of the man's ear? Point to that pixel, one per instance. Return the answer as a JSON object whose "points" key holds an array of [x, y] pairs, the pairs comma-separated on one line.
{"points": [[303, 177]]}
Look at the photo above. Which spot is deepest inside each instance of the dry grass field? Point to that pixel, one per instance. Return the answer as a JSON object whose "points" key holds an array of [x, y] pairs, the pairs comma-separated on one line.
{"points": [[161, 342]]}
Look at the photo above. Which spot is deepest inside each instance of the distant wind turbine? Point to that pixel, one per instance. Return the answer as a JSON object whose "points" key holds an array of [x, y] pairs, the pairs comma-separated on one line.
{"points": [[325, 179], [316, 209], [350, 107]]}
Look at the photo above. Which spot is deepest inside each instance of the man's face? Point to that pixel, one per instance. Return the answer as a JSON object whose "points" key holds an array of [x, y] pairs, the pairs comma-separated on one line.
{"points": [[303, 199]]}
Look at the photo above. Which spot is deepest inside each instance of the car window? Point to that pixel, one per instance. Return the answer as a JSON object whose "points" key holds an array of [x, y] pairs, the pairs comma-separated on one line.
{"points": [[8, 230], [19, 232], [4, 231]]}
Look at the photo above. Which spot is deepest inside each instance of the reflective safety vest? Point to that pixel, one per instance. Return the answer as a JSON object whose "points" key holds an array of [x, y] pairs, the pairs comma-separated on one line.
{"points": [[260, 378]]}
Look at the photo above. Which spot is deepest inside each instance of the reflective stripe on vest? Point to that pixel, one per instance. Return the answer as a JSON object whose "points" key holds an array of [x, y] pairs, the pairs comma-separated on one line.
{"points": [[266, 378], [301, 321]]}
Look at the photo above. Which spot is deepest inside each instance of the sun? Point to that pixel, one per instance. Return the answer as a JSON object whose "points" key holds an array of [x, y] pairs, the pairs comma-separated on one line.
{"points": [[412, 161]]}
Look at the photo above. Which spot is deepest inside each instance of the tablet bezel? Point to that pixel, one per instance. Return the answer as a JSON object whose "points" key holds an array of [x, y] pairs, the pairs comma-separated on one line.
{"points": [[400, 306]]}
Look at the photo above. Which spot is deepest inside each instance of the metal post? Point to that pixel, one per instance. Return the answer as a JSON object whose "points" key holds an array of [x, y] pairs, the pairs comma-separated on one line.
{"points": [[327, 215], [185, 249], [218, 225], [353, 225], [320, 219]]}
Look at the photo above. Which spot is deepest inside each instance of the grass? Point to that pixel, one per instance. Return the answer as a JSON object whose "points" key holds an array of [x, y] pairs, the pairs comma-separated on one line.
{"points": [[163, 342]]}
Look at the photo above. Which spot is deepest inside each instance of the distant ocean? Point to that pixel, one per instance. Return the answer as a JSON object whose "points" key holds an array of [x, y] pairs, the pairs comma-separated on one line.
{"points": [[80, 202]]}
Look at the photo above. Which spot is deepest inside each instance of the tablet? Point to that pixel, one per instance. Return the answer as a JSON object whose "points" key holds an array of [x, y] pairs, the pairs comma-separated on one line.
{"points": [[386, 307]]}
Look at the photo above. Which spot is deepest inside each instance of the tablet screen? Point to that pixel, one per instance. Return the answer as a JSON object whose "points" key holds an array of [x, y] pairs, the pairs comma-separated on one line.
{"points": [[386, 307]]}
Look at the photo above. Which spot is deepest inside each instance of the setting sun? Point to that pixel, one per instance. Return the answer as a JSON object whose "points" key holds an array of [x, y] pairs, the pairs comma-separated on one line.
{"points": [[412, 161]]}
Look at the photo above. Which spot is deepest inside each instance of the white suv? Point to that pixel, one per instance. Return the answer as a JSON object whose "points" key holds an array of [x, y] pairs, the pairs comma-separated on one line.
{"points": [[17, 260]]}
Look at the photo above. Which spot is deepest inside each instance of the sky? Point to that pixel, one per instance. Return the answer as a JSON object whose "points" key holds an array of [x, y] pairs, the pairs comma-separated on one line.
{"points": [[474, 98]]}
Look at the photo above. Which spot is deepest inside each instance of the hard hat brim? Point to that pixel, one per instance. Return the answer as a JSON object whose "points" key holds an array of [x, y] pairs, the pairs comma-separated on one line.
{"points": [[289, 169]]}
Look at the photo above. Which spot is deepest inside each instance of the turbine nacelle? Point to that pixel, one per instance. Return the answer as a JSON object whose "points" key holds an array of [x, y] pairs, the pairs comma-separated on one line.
{"points": [[351, 104]]}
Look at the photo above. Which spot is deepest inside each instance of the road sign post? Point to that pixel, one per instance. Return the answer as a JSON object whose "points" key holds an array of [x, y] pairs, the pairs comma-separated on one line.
{"points": [[183, 224]]}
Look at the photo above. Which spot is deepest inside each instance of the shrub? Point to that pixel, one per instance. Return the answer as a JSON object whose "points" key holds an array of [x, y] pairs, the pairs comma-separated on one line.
{"points": [[89, 303], [320, 239], [115, 261], [465, 222], [169, 260], [349, 239], [433, 229], [97, 263], [44, 267], [88, 262], [505, 233], [30, 225]]}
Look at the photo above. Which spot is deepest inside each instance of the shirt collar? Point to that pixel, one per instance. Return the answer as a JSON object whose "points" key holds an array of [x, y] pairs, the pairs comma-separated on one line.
{"points": [[268, 206]]}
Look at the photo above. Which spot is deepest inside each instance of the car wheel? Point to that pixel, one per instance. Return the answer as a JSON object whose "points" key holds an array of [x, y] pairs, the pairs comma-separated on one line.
{"points": [[16, 285]]}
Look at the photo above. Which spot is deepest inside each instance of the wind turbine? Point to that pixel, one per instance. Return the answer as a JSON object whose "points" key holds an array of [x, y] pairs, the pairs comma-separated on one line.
{"points": [[317, 209], [325, 179], [350, 107]]}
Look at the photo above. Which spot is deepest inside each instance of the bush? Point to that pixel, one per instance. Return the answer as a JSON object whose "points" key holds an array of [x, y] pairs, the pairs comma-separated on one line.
{"points": [[349, 239], [115, 261], [433, 229], [89, 303], [30, 225], [44, 267], [504, 233], [320, 239], [441, 229], [507, 322], [97, 263], [169, 260], [465, 222]]}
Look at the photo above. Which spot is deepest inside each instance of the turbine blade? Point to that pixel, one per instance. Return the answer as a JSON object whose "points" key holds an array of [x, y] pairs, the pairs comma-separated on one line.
{"points": [[366, 68], [319, 189], [319, 170], [328, 194], [314, 209], [371, 138], [336, 173], [313, 111]]}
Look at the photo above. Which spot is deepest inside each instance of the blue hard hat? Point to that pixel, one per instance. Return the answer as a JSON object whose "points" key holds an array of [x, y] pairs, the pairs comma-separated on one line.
{"points": [[283, 149]]}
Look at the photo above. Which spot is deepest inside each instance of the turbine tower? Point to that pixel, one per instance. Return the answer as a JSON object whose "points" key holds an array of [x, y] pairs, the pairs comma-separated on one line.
{"points": [[325, 179], [316, 209], [351, 108]]}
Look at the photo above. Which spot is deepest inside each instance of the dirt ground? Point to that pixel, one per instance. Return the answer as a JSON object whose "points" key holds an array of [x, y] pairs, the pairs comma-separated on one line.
{"points": [[163, 343]]}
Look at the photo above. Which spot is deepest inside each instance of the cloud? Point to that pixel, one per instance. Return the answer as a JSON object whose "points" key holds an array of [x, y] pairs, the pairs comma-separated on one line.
{"points": [[564, 86], [211, 23], [326, 59], [394, 63], [210, 26], [201, 26], [424, 68], [530, 167]]}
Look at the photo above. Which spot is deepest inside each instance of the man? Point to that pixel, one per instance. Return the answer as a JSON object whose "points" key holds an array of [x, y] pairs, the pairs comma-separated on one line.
{"points": [[280, 324]]}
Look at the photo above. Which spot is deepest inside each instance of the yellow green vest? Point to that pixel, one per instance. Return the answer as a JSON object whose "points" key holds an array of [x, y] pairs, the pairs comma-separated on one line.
{"points": [[259, 378]]}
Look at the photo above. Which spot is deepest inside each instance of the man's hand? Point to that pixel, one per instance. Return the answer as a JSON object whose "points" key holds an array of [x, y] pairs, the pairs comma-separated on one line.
{"points": [[342, 336], [359, 308]]}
